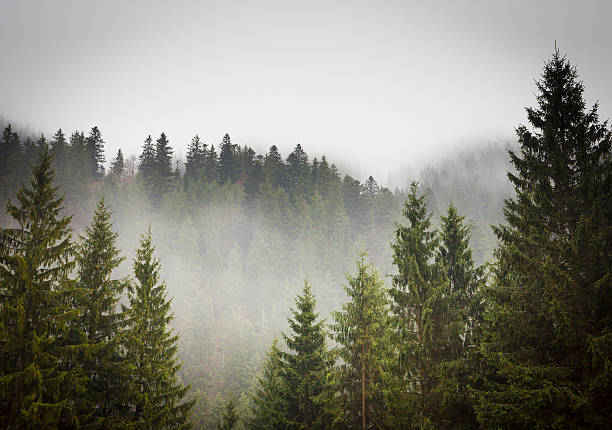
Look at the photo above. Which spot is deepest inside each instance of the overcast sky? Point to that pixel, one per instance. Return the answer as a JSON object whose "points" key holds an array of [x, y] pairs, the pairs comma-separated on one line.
{"points": [[374, 84]]}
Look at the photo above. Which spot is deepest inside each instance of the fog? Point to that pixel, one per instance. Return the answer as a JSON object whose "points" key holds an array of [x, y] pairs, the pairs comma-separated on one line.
{"points": [[368, 84], [402, 91]]}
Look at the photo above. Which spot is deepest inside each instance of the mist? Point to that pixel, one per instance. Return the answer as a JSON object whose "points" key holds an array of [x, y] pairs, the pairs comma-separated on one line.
{"points": [[328, 122]]}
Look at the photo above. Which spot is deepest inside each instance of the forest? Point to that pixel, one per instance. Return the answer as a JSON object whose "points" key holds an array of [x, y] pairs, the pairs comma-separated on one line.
{"points": [[237, 290]]}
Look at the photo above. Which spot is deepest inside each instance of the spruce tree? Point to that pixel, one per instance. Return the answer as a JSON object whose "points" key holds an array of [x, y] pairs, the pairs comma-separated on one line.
{"points": [[95, 150], [547, 340], [270, 399], [118, 164], [101, 325], [229, 167], [361, 330], [194, 167], [163, 177], [155, 394], [229, 417], [307, 363], [414, 304], [38, 381], [459, 313]]}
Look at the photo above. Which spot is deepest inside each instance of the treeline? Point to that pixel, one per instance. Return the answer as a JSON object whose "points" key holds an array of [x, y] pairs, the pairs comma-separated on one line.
{"points": [[451, 343], [70, 356], [528, 346]]}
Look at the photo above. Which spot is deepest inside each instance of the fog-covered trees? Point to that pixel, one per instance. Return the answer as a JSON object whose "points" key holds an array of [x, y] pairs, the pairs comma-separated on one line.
{"points": [[361, 381], [38, 380], [547, 339], [155, 394]]}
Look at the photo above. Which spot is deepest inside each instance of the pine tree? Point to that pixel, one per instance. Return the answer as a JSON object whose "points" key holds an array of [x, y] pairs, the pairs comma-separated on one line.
{"points": [[211, 165], [307, 363], [274, 167], [459, 312], [414, 295], [118, 164], [297, 172], [156, 396], [362, 332], [95, 150], [229, 168], [196, 158], [547, 340], [37, 381], [229, 418], [163, 174], [100, 324], [269, 400]]}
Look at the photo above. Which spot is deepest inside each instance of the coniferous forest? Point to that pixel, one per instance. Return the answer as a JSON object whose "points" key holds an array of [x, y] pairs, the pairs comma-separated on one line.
{"points": [[237, 290]]}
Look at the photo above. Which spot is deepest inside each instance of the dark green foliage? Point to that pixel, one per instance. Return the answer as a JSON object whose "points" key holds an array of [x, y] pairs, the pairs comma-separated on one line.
{"points": [[546, 343], [118, 164], [458, 309], [414, 309], [38, 384], [306, 364], [100, 325], [229, 417], [229, 167], [270, 398], [155, 395], [95, 151], [362, 332]]}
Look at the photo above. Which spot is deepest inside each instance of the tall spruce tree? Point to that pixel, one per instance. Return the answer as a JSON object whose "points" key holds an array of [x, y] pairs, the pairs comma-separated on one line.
{"points": [[548, 338], [361, 330], [414, 313], [229, 167], [459, 313], [101, 325], [270, 405], [163, 177], [38, 379], [118, 164], [95, 151], [156, 395], [307, 364]]}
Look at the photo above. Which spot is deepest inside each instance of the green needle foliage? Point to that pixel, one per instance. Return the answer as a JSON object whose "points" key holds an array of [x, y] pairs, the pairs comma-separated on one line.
{"points": [[458, 311], [229, 418], [100, 323], [418, 330], [361, 330], [548, 339], [155, 395], [306, 364], [38, 383], [269, 400]]}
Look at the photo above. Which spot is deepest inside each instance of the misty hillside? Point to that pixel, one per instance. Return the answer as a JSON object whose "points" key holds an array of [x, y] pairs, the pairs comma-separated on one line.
{"points": [[238, 232]]}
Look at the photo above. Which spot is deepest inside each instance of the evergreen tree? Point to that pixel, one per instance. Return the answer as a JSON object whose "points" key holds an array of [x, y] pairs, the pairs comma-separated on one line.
{"points": [[211, 165], [414, 295], [196, 158], [459, 313], [269, 400], [156, 396], [307, 363], [229, 418], [38, 384], [548, 339], [362, 332], [274, 167], [118, 164], [100, 324], [297, 172], [95, 150], [163, 173], [229, 168], [146, 165]]}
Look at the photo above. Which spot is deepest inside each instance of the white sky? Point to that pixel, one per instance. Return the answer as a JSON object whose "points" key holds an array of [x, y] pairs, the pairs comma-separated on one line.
{"points": [[371, 84]]}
